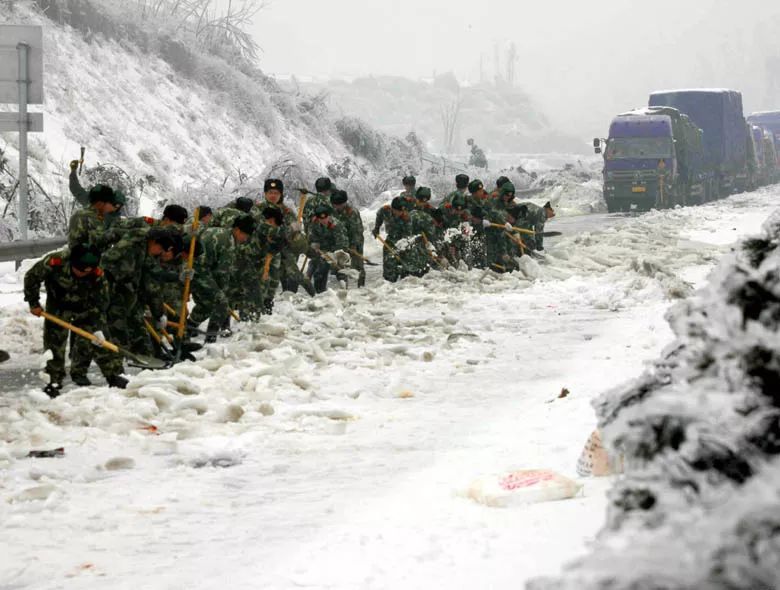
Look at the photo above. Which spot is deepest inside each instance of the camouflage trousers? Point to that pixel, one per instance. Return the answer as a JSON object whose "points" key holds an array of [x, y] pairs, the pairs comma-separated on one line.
{"points": [[356, 263], [290, 275], [82, 351], [321, 270], [126, 321], [211, 303], [392, 270]]}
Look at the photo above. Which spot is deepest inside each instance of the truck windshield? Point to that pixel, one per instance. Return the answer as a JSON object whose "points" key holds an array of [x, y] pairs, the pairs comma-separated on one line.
{"points": [[620, 148]]}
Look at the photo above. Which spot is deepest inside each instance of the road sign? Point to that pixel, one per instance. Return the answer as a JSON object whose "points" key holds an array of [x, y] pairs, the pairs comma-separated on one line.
{"points": [[11, 36], [10, 122]]}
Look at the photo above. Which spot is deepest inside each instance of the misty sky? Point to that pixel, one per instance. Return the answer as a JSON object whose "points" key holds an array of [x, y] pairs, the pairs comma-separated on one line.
{"points": [[583, 61]]}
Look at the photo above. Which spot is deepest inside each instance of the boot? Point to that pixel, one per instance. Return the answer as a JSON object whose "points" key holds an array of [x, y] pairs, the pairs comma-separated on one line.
{"points": [[81, 380], [117, 381], [53, 389]]}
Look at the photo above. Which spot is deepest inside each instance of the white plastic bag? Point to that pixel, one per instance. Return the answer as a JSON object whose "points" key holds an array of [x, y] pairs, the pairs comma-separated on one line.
{"points": [[526, 486]]}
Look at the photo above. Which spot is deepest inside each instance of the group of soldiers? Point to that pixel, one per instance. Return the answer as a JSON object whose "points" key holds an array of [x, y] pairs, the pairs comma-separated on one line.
{"points": [[471, 227], [127, 280]]}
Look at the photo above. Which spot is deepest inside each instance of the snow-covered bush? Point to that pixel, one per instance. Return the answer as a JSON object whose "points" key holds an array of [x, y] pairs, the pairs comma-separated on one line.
{"points": [[699, 506]]}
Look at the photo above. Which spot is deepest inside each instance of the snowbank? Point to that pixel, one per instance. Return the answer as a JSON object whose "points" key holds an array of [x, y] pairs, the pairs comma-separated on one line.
{"points": [[699, 506]]}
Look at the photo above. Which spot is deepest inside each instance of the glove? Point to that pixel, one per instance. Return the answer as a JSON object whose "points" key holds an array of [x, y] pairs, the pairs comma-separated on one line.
{"points": [[186, 273], [314, 246], [375, 234], [74, 164], [508, 226], [295, 226], [99, 340], [161, 323], [485, 223]]}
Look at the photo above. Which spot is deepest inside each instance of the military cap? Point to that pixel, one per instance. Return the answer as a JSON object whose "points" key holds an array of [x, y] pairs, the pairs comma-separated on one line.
{"points": [[459, 201], [339, 197], [204, 211], [501, 181], [175, 213], [273, 184], [323, 184], [84, 256], [475, 186], [506, 189], [101, 193], [462, 181], [323, 209], [423, 193], [409, 181], [274, 213], [398, 204]]}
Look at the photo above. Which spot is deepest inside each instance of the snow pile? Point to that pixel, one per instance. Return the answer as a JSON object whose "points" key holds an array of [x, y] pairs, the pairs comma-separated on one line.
{"points": [[700, 431]]}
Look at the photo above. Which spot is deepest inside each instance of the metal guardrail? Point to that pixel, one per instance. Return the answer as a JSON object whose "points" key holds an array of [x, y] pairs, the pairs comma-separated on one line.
{"points": [[24, 249]]}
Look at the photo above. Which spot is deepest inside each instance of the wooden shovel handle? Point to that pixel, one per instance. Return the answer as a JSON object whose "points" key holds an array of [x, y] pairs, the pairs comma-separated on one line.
{"points": [[76, 330]]}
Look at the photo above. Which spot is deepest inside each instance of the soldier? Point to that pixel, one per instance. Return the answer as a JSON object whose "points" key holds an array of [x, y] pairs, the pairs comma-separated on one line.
{"points": [[422, 200], [461, 186], [490, 245], [293, 239], [418, 255], [213, 272], [505, 197], [457, 229], [130, 266], [408, 194], [76, 292], [324, 188], [534, 219], [225, 216], [398, 227], [328, 246], [89, 225], [500, 181], [351, 220], [478, 196]]}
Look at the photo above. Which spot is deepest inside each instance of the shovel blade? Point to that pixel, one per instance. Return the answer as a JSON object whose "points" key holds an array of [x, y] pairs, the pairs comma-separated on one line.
{"points": [[144, 362]]}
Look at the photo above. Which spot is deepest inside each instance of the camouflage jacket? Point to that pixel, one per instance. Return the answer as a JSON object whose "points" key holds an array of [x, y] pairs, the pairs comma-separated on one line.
{"points": [[85, 298], [312, 201], [453, 217], [225, 217], [383, 215], [398, 228], [219, 251], [330, 236], [87, 226], [131, 271], [456, 193], [350, 219], [534, 220], [293, 243], [82, 197]]}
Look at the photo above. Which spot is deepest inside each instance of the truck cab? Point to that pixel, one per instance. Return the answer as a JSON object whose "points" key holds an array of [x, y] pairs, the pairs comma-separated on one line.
{"points": [[640, 163]]}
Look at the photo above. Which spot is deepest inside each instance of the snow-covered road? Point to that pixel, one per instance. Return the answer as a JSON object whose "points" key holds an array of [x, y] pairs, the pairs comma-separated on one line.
{"points": [[331, 445]]}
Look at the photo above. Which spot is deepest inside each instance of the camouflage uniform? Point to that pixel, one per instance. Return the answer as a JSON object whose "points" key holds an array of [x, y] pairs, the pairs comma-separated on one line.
{"points": [[130, 272], [351, 220], [81, 302], [212, 278], [88, 227], [287, 272], [534, 220], [330, 237], [454, 194], [313, 200], [82, 198], [418, 258], [225, 217], [398, 228]]}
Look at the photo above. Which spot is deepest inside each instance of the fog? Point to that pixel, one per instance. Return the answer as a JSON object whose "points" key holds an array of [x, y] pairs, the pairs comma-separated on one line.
{"points": [[583, 62]]}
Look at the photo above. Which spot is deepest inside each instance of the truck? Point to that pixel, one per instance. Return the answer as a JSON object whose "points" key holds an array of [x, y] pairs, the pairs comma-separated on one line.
{"points": [[718, 113], [769, 121], [652, 159]]}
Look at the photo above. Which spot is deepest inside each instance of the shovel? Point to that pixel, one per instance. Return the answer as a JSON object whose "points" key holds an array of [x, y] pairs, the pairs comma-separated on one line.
{"points": [[139, 360], [363, 258]]}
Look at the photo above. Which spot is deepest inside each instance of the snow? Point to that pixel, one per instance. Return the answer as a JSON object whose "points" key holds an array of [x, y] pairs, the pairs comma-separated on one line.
{"points": [[332, 445]]}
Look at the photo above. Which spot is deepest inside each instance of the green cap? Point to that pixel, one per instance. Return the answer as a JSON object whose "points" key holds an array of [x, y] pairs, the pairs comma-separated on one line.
{"points": [[323, 209], [475, 186], [506, 189], [423, 193], [119, 198]]}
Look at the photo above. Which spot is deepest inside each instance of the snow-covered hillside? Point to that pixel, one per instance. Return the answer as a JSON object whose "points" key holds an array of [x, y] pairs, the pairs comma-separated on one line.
{"points": [[331, 445], [170, 134]]}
